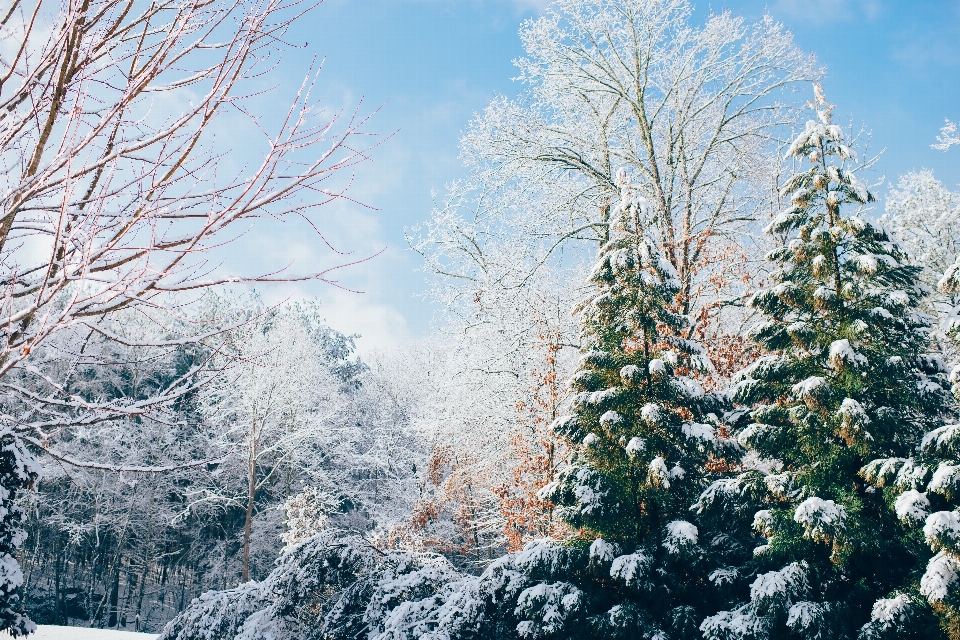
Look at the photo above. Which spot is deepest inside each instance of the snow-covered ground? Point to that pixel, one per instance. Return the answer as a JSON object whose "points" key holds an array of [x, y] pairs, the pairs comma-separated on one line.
{"points": [[50, 632]]}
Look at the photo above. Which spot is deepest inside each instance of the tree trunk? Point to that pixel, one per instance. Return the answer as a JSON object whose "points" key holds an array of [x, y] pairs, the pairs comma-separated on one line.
{"points": [[57, 596], [147, 560], [251, 498], [114, 598]]}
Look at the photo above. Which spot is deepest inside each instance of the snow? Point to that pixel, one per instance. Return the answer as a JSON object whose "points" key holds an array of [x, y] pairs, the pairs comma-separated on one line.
{"points": [[539, 555], [824, 294], [853, 413], [763, 522], [752, 432], [807, 388], [550, 604], [898, 298], [941, 575], [51, 632], [779, 484], [657, 367], [630, 374], [698, 431], [715, 494], [680, 536], [650, 414], [804, 615], [950, 282], [911, 475], [842, 354], [777, 590], [942, 530], [688, 386], [946, 480], [741, 623], [636, 446], [892, 612], [598, 398], [942, 441], [562, 423], [602, 551], [611, 418], [822, 519], [10, 573], [858, 187], [724, 576], [659, 475], [588, 497], [630, 568], [912, 506]]}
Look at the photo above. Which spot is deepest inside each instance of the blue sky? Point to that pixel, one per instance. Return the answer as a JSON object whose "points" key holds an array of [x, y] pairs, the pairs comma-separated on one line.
{"points": [[432, 64]]}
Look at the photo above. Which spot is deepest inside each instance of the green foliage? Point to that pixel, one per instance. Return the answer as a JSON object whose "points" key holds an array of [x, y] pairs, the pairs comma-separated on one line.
{"points": [[643, 428], [846, 378]]}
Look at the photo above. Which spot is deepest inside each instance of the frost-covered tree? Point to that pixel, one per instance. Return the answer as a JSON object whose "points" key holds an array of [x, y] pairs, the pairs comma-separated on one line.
{"points": [[294, 410], [846, 379], [18, 473], [115, 186], [109, 547], [273, 405], [948, 136], [694, 108], [925, 219], [642, 431]]}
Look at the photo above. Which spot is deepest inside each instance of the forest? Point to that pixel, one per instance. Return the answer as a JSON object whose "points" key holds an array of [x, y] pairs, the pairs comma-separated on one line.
{"points": [[696, 372]]}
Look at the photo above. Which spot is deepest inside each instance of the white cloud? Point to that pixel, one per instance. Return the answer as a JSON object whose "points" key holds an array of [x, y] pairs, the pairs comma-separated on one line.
{"points": [[380, 325]]}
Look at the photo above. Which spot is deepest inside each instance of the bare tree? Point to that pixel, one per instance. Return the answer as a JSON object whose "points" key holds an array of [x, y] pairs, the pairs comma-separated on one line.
{"points": [[690, 112], [274, 405], [115, 188]]}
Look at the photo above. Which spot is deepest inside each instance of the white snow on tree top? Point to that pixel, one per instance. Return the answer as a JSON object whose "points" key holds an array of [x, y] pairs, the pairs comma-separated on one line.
{"points": [[602, 551], [843, 354], [940, 578], [823, 520], [942, 530], [912, 506], [891, 613], [681, 535]]}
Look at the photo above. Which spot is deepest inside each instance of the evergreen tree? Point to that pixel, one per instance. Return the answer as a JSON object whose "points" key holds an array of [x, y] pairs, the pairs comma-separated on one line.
{"points": [[923, 489], [643, 431], [846, 379], [638, 419]]}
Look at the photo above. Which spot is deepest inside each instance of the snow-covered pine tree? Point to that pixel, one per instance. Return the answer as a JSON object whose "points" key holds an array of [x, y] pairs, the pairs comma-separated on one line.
{"points": [[924, 491], [642, 428], [636, 418], [846, 379]]}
